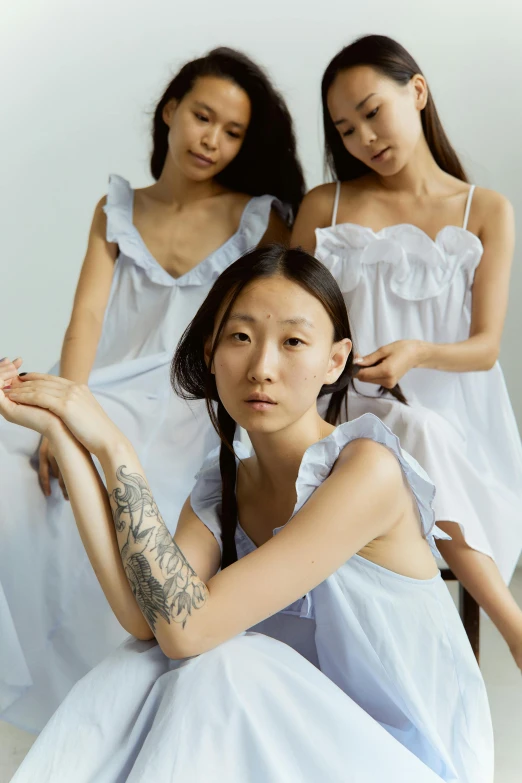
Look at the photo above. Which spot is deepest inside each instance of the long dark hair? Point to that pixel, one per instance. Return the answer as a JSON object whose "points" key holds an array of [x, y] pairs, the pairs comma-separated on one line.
{"points": [[192, 378], [391, 59], [267, 161]]}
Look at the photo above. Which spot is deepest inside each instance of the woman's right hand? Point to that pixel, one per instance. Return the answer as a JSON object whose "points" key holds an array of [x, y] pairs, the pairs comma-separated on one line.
{"points": [[9, 369], [49, 467], [37, 419]]}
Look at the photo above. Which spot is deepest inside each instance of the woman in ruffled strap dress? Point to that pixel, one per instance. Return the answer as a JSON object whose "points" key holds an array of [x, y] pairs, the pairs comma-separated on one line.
{"points": [[322, 539], [227, 178], [423, 260]]}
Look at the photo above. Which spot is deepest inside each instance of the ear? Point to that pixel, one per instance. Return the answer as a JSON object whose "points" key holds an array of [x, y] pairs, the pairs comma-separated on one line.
{"points": [[420, 91], [207, 353], [338, 358], [168, 111]]}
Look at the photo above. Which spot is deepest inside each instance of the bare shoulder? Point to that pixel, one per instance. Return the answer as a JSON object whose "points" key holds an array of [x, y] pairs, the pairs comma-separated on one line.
{"points": [[374, 460], [318, 204], [235, 202], [99, 219], [490, 210], [276, 231]]}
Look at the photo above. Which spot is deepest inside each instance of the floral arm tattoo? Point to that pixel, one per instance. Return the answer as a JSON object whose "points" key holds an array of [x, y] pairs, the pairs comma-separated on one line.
{"points": [[163, 582]]}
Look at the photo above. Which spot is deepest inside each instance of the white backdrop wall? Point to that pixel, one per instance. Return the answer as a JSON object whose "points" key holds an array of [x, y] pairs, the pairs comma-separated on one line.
{"points": [[79, 81]]}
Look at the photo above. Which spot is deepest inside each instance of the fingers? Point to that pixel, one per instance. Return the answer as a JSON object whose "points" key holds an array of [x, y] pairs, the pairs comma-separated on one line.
{"points": [[61, 482], [53, 466], [373, 375], [58, 387], [49, 398], [43, 474], [40, 376], [9, 369], [372, 358]]}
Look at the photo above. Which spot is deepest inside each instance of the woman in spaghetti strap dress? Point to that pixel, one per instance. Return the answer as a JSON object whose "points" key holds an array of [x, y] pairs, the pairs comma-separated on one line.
{"points": [[227, 178], [328, 530], [423, 260]]}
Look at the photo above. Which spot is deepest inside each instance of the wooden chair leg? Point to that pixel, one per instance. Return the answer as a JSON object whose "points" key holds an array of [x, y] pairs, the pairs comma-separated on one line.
{"points": [[469, 611], [470, 614]]}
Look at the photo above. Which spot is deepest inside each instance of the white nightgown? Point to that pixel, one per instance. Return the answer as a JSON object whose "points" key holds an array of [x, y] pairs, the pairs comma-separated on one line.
{"points": [[399, 284], [391, 691], [54, 612]]}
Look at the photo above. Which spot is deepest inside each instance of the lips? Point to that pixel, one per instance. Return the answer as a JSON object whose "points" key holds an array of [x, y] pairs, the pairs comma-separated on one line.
{"points": [[261, 398], [379, 155], [201, 157]]}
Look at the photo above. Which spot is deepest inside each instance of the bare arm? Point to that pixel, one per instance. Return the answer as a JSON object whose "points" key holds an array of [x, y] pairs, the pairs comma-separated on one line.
{"points": [[192, 611], [314, 212], [90, 301], [490, 296], [276, 232], [189, 607], [84, 330], [91, 508]]}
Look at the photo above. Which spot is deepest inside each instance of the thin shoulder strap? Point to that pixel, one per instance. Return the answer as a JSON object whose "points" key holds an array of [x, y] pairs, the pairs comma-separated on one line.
{"points": [[468, 207], [336, 202]]}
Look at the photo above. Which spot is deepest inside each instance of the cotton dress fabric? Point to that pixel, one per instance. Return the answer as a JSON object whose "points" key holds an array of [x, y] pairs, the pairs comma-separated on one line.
{"points": [[390, 692], [53, 614], [399, 284]]}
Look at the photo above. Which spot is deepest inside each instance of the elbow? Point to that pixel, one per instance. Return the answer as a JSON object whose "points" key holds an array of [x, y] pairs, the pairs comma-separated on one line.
{"points": [[135, 626], [491, 357], [177, 646]]}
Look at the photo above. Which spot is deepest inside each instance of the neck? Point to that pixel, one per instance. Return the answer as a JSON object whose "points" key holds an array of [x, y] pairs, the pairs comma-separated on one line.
{"points": [[279, 454], [175, 189], [419, 177]]}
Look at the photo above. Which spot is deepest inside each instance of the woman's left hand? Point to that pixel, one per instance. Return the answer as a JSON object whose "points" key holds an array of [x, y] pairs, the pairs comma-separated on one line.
{"points": [[73, 403], [389, 364]]}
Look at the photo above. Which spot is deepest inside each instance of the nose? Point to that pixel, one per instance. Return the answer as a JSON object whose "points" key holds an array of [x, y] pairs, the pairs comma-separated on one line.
{"points": [[367, 135], [210, 137], [262, 366]]}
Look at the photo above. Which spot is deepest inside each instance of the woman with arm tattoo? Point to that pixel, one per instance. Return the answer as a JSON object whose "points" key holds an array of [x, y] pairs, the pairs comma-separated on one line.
{"points": [[226, 179], [329, 529]]}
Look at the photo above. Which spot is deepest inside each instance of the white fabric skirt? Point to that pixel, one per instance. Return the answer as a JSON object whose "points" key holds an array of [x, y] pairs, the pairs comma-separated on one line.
{"points": [[250, 711]]}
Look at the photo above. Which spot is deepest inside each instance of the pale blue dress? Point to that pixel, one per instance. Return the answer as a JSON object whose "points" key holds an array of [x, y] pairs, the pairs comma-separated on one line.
{"points": [[390, 693], [55, 623]]}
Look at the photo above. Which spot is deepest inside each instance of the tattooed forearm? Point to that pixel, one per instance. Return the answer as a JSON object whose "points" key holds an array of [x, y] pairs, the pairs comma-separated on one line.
{"points": [[163, 582]]}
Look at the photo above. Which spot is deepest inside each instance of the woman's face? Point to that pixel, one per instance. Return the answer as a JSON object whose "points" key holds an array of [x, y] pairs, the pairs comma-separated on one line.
{"points": [[207, 127], [274, 354], [378, 119]]}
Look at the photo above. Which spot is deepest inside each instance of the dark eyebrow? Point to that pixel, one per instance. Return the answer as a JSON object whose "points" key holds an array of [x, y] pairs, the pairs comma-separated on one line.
{"points": [[357, 108], [212, 111], [297, 321]]}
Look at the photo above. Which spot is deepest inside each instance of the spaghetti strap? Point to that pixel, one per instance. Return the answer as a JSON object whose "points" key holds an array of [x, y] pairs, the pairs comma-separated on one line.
{"points": [[336, 202], [468, 207]]}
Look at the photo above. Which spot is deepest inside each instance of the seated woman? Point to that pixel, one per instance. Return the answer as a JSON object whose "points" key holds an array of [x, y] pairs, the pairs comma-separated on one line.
{"points": [[329, 529], [423, 259], [227, 177]]}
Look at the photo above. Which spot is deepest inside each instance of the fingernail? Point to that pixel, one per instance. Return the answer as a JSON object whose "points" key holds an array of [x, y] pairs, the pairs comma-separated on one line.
{"points": [[21, 374], [358, 361]]}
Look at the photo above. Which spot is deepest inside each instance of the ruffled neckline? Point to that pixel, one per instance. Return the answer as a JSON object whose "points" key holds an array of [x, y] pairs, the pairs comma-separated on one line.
{"points": [[419, 267], [319, 459], [121, 229], [402, 228]]}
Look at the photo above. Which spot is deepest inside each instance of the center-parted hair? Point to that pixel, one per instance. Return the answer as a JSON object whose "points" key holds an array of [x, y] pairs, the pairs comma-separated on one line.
{"points": [[267, 162], [191, 375]]}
